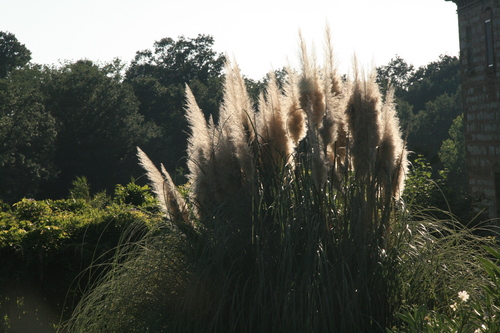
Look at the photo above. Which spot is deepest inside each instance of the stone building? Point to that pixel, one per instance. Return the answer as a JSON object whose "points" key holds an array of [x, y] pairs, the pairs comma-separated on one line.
{"points": [[479, 31]]}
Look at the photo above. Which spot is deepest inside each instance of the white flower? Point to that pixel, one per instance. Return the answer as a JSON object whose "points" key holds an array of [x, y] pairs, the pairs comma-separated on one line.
{"points": [[454, 306], [463, 295]]}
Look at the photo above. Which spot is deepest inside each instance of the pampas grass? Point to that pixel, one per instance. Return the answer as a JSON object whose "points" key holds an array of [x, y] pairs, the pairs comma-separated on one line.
{"points": [[275, 144], [312, 99], [290, 221], [364, 118], [295, 115], [392, 156], [171, 202]]}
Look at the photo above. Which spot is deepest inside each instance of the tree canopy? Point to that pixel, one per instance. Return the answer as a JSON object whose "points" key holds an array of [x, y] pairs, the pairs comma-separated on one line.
{"points": [[427, 98], [98, 123], [13, 54], [178, 61], [27, 136], [159, 76]]}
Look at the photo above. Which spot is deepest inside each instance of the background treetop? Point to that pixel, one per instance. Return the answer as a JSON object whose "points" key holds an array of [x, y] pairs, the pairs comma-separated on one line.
{"points": [[13, 54], [178, 61]]}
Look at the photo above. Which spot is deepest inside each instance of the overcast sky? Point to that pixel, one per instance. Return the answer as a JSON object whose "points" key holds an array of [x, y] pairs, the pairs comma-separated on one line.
{"points": [[260, 34]]}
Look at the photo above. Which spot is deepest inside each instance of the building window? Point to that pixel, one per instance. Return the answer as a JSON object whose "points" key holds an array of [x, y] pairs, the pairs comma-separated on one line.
{"points": [[489, 43]]}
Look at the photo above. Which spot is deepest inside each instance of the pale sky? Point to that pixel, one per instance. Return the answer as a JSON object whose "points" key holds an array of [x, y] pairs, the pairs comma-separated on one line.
{"points": [[261, 34]]}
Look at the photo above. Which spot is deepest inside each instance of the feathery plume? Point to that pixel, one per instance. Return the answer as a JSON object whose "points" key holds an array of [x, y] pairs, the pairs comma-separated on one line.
{"points": [[333, 130], [165, 190], [311, 95], [271, 127], [155, 178], [237, 119], [199, 150], [176, 206], [393, 163], [332, 78], [295, 117], [199, 142], [363, 114]]}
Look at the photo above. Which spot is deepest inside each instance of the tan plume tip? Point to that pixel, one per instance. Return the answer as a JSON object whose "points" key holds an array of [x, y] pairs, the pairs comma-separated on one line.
{"points": [[393, 162], [237, 118], [333, 83], [363, 114], [154, 176], [311, 95], [272, 126], [200, 140], [165, 190], [296, 118], [176, 206]]}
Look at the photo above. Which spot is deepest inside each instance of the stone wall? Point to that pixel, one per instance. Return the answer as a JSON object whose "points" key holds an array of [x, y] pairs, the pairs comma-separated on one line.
{"points": [[479, 29]]}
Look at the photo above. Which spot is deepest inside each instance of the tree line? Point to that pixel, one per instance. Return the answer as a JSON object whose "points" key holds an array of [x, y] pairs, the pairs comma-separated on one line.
{"points": [[84, 118], [429, 104]]}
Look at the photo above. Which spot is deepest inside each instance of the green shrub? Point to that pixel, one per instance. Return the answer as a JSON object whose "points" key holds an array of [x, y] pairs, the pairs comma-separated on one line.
{"points": [[135, 195], [68, 205], [52, 250], [32, 210], [80, 189]]}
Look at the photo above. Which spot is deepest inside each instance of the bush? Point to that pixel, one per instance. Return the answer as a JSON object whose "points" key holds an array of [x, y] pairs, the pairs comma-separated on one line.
{"points": [[50, 251], [135, 195]]}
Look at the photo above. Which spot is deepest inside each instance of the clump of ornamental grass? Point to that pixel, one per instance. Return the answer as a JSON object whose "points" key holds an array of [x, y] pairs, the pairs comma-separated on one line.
{"points": [[291, 219]]}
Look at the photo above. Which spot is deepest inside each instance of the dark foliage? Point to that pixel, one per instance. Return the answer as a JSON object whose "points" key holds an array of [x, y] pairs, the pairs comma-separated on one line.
{"points": [[13, 54], [27, 136], [158, 78], [52, 251], [98, 126]]}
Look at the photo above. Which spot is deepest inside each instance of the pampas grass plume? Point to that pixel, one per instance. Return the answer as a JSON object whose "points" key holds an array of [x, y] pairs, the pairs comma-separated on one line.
{"points": [[272, 126], [311, 95], [171, 202], [295, 116], [392, 152], [237, 118], [155, 177], [363, 114]]}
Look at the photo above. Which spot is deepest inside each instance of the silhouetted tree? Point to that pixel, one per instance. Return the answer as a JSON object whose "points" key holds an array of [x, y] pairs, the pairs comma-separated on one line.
{"points": [[13, 54], [98, 125], [159, 76], [27, 135]]}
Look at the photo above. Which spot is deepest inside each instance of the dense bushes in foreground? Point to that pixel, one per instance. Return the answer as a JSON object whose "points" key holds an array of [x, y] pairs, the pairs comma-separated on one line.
{"points": [[52, 250]]}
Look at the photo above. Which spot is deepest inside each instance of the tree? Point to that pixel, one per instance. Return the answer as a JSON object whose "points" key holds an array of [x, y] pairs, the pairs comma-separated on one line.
{"points": [[27, 135], [12, 54], [430, 126], [159, 76], [397, 72], [178, 62], [433, 80], [98, 125], [427, 100], [453, 155]]}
